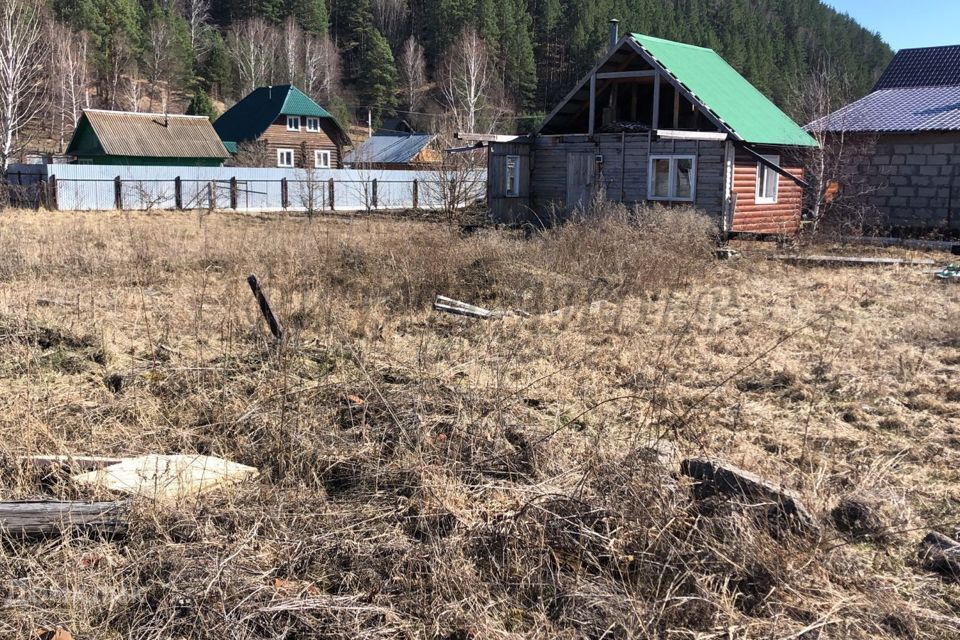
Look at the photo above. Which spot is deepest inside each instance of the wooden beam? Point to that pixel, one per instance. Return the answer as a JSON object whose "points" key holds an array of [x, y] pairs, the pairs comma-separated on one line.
{"points": [[483, 137], [676, 109], [783, 172], [31, 518], [593, 104], [673, 134], [656, 101], [614, 75]]}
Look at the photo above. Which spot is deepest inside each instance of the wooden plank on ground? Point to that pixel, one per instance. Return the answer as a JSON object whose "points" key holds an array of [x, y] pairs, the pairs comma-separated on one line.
{"points": [[167, 478], [53, 516], [856, 261], [76, 464]]}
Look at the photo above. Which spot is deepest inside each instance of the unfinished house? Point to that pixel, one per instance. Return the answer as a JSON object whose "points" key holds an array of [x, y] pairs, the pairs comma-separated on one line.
{"points": [[897, 149], [658, 122]]}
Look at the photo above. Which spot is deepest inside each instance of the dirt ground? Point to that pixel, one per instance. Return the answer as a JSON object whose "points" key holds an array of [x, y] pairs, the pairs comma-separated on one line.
{"points": [[426, 475]]}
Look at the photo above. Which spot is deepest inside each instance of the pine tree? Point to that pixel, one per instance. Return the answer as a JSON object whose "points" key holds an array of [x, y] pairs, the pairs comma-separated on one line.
{"points": [[516, 52], [201, 105], [215, 69], [311, 15], [378, 81]]}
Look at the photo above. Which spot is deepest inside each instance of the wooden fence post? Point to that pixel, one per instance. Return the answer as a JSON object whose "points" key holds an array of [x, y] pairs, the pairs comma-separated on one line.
{"points": [[52, 196], [330, 186], [373, 193], [416, 194], [178, 193], [284, 193], [42, 193], [265, 309], [117, 194], [233, 192], [212, 194]]}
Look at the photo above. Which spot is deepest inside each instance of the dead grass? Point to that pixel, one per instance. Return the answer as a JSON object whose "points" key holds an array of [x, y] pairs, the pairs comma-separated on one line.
{"points": [[490, 481]]}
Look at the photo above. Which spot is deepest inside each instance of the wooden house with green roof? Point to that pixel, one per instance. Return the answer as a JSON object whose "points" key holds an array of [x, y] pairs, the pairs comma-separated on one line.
{"points": [[657, 121], [290, 129]]}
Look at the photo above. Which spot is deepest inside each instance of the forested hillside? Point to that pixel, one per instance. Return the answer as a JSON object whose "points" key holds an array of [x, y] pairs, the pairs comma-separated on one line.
{"points": [[477, 64]]}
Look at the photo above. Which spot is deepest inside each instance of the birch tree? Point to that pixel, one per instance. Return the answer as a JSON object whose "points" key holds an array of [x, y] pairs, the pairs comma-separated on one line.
{"points": [[69, 79], [293, 38], [197, 15], [321, 67], [23, 48], [413, 71], [465, 77], [252, 47]]}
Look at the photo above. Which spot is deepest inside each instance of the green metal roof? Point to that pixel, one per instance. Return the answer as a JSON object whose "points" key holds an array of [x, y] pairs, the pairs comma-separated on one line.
{"points": [[728, 95], [249, 118]]}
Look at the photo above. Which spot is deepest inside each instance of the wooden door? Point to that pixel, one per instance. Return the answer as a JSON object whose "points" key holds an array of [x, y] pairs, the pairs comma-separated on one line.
{"points": [[581, 174]]}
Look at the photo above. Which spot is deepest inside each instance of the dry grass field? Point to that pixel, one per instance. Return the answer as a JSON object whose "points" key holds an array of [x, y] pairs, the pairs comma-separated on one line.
{"points": [[431, 476]]}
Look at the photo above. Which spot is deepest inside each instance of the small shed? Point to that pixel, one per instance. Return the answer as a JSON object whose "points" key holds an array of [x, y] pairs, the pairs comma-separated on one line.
{"points": [[664, 122], [127, 138], [899, 146], [385, 150]]}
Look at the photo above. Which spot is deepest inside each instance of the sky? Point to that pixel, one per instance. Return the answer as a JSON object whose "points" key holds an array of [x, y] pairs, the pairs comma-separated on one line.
{"points": [[904, 25]]}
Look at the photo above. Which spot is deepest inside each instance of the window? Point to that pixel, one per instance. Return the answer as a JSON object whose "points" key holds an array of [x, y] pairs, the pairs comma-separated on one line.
{"points": [[672, 178], [313, 125], [768, 181], [321, 159], [513, 176], [284, 157], [293, 123]]}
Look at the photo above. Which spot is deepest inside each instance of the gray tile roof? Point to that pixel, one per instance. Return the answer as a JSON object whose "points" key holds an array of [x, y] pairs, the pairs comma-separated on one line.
{"points": [[389, 149], [898, 110], [928, 67]]}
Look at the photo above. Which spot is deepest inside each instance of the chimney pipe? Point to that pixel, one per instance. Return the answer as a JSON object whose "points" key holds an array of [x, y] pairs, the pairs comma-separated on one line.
{"points": [[614, 33]]}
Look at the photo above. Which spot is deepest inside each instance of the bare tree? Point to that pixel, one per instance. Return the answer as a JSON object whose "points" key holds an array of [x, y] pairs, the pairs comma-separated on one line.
{"points": [[838, 189], [22, 51], [252, 45], [413, 71], [457, 182], [466, 78], [159, 57], [321, 66], [390, 17], [133, 92], [197, 15], [293, 62], [120, 64], [69, 79]]}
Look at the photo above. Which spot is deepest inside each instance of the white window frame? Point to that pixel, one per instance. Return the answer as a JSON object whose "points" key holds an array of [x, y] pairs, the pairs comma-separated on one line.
{"points": [[511, 192], [280, 154], [672, 181], [319, 153], [293, 123], [761, 169], [313, 125]]}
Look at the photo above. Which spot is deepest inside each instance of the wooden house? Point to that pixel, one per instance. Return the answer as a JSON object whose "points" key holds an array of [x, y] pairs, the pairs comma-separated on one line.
{"points": [[394, 150], [126, 138], [293, 130], [898, 148], [657, 121]]}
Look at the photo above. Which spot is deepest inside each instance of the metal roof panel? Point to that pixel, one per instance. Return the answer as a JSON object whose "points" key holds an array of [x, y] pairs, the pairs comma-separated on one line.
{"points": [[155, 135], [897, 110], [926, 67]]}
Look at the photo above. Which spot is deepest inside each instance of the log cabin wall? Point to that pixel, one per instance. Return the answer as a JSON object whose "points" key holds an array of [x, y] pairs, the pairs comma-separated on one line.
{"points": [[779, 218], [622, 173], [303, 143]]}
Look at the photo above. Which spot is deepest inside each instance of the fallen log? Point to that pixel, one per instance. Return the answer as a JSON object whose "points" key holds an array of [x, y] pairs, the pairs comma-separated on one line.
{"points": [[716, 476], [855, 261], [71, 464], [31, 518], [456, 307], [941, 553]]}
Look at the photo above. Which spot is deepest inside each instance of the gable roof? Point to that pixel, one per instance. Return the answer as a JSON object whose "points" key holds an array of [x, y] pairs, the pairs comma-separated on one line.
{"points": [[918, 91], [741, 107], [926, 67], [151, 135], [897, 110], [397, 148], [249, 118], [725, 97]]}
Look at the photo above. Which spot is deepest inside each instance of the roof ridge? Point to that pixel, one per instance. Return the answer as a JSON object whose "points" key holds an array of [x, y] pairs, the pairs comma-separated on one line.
{"points": [[141, 113], [674, 42]]}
